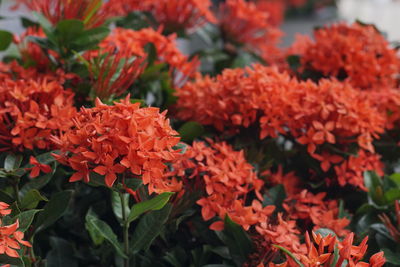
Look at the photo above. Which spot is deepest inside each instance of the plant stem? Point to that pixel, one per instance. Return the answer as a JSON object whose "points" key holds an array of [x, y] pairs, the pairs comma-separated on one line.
{"points": [[16, 191], [125, 229]]}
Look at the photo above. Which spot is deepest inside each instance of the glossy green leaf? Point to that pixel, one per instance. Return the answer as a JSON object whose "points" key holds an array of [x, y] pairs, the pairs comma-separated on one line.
{"points": [[117, 204], [68, 30], [25, 219], [190, 131], [61, 254], [5, 40], [32, 199], [105, 231], [149, 227], [275, 196], [12, 162], [237, 241], [392, 257], [53, 210], [155, 203]]}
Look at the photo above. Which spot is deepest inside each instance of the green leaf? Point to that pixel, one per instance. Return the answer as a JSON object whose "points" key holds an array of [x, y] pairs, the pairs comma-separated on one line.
{"points": [[287, 252], [325, 232], [25, 219], [237, 240], [37, 183], [190, 131], [5, 40], [117, 205], [133, 183], [12, 162], [391, 257], [61, 254], [375, 188], [395, 178], [275, 196], [68, 30], [53, 210], [392, 195], [105, 231], [32, 199], [4, 259], [155, 203], [149, 227], [90, 38]]}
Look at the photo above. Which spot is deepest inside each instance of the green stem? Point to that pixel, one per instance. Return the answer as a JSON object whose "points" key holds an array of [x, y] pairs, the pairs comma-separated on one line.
{"points": [[16, 191], [125, 229]]}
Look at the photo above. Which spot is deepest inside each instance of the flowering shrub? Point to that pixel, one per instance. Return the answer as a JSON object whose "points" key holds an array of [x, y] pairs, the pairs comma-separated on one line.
{"points": [[119, 147]]}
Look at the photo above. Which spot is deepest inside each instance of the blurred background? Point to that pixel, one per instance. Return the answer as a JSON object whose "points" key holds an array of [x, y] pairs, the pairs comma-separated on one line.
{"points": [[300, 16]]}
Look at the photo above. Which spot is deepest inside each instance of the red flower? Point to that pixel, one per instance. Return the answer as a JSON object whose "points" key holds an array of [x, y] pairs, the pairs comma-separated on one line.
{"points": [[176, 15], [122, 138], [355, 53], [243, 23], [10, 240], [89, 11], [130, 43], [33, 106], [4, 209], [37, 167]]}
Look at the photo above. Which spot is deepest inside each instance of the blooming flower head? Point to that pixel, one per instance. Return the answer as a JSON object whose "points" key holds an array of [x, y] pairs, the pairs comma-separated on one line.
{"points": [[88, 11], [121, 139], [33, 106], [176, 15], [113, 74], [227, 178], [37, 167], [132, 43], [355, 53], [4, 209], [10, 238], [243, 23], [230, 100]]}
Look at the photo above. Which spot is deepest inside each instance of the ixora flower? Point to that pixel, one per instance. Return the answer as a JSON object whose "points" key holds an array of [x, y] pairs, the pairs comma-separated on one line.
{"points": [[10, 238], [89, 11], [121, 139], [243, 23], [37, 167], [356, 53], [33, 106], [176, 15], [132, 43]]}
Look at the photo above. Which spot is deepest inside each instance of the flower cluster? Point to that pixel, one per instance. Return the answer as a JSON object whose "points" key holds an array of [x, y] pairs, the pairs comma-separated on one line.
{"points": [[33, 107], [321, 251], [89, 11], [355, 53], [132, 43], [120, 139], [243, 23], [176, 15], [10, 238]]}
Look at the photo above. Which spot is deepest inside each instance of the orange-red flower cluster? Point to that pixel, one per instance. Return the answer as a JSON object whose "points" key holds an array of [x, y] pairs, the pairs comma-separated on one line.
{"points": [[176, 15], [352, 170], [313, 209], [88, 11], [328, 112], [228, 179], [321, 252], [243, 23], [33, 106], [113, 74], [121, 139], [133, 43], [356, 53], [10, 238]]}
